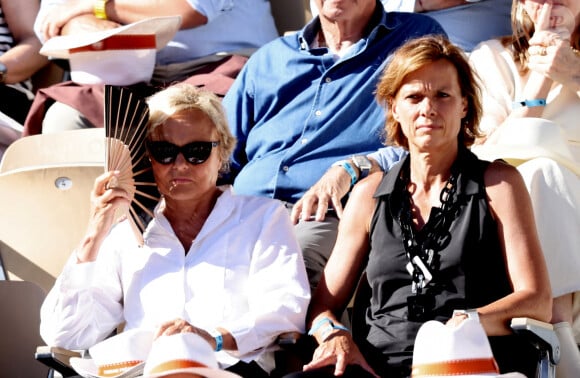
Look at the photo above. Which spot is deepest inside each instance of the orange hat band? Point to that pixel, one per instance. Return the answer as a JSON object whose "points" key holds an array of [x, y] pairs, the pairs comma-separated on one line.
{"points": [[457, 367], [175, 365], [112, 370], [120, 42]]}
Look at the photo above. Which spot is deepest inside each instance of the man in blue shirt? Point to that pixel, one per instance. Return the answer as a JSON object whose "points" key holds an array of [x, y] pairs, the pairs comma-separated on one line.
{"points": [[306, 100]]}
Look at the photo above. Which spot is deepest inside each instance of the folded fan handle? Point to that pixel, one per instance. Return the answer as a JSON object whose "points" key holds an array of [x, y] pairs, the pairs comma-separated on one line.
{"points": [[58, 359]]}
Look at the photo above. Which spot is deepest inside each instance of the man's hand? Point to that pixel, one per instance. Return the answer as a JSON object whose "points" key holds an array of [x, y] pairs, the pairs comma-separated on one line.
{"points": [[327, 192], [60, 15], [87, 23]]}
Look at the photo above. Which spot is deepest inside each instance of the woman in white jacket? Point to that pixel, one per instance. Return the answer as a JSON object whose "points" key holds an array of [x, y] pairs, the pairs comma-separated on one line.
{"points": [[225, 267]]}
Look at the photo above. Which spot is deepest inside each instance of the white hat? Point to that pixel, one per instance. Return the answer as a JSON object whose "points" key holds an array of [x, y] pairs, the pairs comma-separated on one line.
{"points": [[122, 355], [522, 139], [454, 351], [119, 56], [183, 353]]}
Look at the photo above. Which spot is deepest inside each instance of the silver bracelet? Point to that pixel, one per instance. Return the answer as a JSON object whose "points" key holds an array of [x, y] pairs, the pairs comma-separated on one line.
{"points": [[470, 313]]}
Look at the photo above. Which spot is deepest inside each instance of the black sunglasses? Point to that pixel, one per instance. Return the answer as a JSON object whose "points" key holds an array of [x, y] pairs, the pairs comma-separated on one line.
{"points": [[194, 152]]}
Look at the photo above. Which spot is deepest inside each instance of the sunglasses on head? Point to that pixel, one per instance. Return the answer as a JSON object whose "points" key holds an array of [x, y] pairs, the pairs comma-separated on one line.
{"points": [[194, 153]]}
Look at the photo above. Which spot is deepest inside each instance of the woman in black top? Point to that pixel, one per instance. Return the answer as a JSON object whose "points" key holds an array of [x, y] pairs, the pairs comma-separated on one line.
{"points": [[441, 231]]}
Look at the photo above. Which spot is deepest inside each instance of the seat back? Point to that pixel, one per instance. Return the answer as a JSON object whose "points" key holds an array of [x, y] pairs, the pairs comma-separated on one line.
{"points": [[19, 324], [289, 15], [78, 147], [45, 185]]}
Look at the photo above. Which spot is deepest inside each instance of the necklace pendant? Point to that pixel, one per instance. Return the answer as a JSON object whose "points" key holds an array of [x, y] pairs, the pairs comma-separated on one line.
{"points": [[420, 307], [415, 288], [422, 272], [430, 254], [410, 268]]}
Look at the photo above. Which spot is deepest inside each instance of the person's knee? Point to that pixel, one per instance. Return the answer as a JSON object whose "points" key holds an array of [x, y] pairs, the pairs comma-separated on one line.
{"points": [[316, 240], [62, 117]]}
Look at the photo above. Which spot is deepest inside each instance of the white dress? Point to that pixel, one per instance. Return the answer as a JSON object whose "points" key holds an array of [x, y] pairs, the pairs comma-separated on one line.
{"points": [[554, 189]]}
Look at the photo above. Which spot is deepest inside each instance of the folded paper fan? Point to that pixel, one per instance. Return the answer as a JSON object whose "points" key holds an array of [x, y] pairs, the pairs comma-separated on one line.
{"points": [[126, 116]]}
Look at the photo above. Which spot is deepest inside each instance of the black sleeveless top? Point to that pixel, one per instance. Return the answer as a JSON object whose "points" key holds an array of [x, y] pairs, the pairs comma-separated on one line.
{"points": [[472, 271]]}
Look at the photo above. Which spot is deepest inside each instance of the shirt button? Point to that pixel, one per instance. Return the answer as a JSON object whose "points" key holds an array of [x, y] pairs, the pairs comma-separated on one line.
{"points": [[285, 168], [304, 141], [318, 113], [328, 80]]}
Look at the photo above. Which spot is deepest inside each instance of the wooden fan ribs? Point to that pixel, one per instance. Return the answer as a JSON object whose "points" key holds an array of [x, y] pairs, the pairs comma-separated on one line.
{"points": [[126, 117]]}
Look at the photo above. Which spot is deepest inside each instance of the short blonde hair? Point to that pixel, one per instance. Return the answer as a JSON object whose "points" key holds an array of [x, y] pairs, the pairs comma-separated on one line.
{"points": [[414, 55], [181, 97]]}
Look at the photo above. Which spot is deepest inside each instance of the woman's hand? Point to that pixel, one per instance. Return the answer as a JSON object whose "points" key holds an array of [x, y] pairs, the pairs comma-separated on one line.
{"points": [[456, 319], [105, 202], [554, 58], [179, 325], [551, 58], [549, 17], [340, 350]]}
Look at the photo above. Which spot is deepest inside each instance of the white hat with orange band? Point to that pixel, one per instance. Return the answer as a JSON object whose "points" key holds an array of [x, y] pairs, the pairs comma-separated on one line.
{"points": [[118, 56], [118, 356], [183, 353], [461, 351]]}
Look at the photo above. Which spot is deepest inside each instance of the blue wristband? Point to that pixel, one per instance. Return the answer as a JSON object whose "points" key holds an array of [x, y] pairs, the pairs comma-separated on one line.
{"points": [[529, 103], [319, 323], [219, 342], [349, 169]]}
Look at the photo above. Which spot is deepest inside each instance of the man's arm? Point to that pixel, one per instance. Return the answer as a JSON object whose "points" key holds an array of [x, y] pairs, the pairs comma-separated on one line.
{"points": [[337, 182], [23, 59], [56, 14]]}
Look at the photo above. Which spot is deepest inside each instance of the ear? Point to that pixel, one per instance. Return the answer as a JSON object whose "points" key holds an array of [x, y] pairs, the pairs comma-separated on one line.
{"points": [[465, 104], [392, 105]]}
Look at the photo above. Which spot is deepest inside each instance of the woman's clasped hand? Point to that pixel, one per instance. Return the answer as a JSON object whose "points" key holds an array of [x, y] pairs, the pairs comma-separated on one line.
{"points": [[549, 48]]}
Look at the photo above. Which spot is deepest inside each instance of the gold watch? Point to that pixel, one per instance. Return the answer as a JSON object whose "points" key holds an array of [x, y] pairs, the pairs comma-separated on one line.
{"points": [[100, 9]]}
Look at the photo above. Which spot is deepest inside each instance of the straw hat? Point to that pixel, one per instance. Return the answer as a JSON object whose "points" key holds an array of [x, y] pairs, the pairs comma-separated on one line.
{"points": [[183, 353], [462, 351], [522, 139], [119, 56], [122, 355]]}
